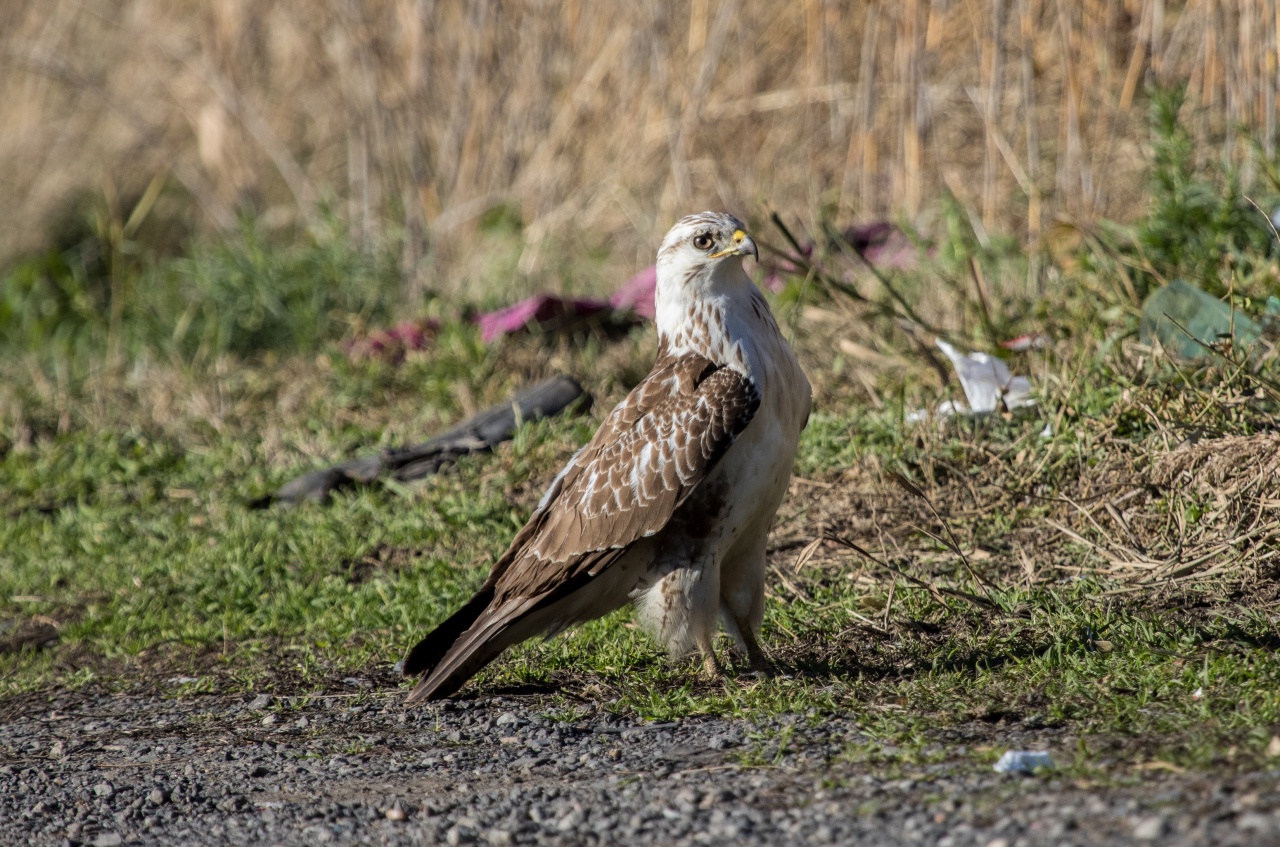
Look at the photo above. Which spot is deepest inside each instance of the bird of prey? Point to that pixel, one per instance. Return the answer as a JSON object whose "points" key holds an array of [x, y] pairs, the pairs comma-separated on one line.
{"points": [[670, 502]]}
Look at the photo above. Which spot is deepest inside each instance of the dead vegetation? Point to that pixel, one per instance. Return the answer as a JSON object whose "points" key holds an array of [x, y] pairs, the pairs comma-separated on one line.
{"points": [[598, 123], [1059, 493], [1203, 512]]}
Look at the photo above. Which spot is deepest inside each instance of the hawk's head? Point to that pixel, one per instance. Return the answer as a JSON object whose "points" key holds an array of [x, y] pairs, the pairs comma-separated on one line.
{"points": [[699, 245]]}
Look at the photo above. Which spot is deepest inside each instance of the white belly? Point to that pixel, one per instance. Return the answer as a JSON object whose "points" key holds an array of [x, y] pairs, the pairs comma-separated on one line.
{"points": [[712, 553], [756, 469]]}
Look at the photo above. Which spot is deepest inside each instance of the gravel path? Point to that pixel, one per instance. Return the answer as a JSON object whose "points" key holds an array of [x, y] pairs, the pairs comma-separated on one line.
{"points": [[355, 768]]}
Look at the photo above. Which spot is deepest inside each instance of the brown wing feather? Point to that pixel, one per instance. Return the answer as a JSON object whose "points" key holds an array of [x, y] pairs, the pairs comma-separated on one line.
{"points": [[625, 484], [647, 457]]}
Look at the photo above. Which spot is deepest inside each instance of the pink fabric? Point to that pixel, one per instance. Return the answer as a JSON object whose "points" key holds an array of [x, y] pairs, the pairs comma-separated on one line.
{"points": [[883, 245], [637, 293], [392, 344], [1023, 343], [534, 312]]}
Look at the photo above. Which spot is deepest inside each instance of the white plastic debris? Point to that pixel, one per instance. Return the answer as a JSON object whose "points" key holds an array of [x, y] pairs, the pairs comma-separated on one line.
{"points": [[1023, 761], [988, 386], [1197, 694], [987, 382]]}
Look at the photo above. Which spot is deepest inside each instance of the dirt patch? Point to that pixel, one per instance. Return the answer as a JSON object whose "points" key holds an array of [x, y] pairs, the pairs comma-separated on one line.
{"points": [[383, 560], [35, 633]]}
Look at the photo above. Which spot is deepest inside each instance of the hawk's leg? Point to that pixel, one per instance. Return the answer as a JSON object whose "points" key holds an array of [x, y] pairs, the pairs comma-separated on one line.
{"points": [[756, 657], [742, 599], [703, 622], [711, 663], [682, 607]]}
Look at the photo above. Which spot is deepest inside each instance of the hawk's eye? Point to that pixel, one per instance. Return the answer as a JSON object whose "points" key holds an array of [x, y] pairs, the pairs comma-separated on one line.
{"points": [[702, 241]]}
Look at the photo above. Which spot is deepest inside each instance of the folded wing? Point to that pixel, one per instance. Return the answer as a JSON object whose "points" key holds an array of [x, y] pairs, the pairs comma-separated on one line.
{"points": [[647, 457]]}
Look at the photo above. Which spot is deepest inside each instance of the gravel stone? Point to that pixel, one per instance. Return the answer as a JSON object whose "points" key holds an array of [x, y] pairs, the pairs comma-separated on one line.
{"points": [[202, 770], [459, 835], [1255, 822], [1149, 829]]}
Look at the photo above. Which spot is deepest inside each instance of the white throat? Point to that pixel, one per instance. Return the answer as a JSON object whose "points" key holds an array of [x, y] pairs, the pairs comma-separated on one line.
{"points": [[714, 312]]}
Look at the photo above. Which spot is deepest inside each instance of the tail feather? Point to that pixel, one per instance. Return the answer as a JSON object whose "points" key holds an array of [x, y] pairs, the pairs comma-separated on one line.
{"points": [[430, 651], [477, 634], [479, 646]]}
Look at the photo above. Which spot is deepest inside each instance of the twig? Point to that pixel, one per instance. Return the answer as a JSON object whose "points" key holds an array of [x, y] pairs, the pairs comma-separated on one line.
{"points": [[888, 603], [913, 489], [800, 258], [865, 622], [906, 318], [984, 298], [934, 591], [847, 249]]}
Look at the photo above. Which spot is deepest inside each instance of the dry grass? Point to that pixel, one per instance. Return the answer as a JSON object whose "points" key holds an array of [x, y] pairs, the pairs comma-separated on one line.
{"points": [[1147, 474], [599, 123], [1118, 523]]}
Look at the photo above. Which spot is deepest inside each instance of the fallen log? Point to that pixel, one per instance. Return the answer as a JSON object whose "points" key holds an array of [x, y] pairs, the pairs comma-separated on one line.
{"points": [[477, 434]]}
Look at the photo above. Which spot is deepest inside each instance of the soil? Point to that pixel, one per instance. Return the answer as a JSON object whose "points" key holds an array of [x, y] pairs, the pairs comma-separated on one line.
{"points": [[159, 764], [354, 767]]}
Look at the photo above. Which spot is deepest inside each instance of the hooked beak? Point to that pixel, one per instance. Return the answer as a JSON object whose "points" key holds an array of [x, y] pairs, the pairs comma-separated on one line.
{"points": [[742, 246]]}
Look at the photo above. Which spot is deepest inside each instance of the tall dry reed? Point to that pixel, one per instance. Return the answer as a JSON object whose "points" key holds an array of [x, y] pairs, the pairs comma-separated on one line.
{"points": [[601, 122]]}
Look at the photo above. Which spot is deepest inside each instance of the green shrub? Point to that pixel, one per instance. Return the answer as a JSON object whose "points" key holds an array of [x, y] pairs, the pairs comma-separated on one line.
{"points": [[50, 301], [1199, 223], [248, 296], [242, 296]]}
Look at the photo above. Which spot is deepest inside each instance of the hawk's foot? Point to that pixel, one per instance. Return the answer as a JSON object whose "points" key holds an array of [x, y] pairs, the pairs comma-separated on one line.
{"points": [[757, 659], [711, 667]]}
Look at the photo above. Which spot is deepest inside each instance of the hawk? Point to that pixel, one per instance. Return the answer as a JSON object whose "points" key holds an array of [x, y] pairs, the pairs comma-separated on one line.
{"points": [[669, 504]]}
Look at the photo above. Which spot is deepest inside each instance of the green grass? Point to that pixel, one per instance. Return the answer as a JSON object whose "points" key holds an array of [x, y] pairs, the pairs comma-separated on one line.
{"points": [[124, 491], [101, 292], [138, 541]]}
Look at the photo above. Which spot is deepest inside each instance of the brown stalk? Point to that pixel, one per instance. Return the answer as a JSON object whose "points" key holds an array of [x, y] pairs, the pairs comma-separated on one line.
{"points": [[938, 594], [951, 543], [605, 122]]}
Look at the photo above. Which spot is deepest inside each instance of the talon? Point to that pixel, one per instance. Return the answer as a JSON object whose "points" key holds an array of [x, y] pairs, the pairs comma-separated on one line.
{"points": [[711, 666], [757, 659]]}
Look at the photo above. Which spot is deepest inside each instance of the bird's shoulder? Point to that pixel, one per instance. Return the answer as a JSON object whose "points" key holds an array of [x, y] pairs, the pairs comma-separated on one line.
{"points": [[672, 378]]}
